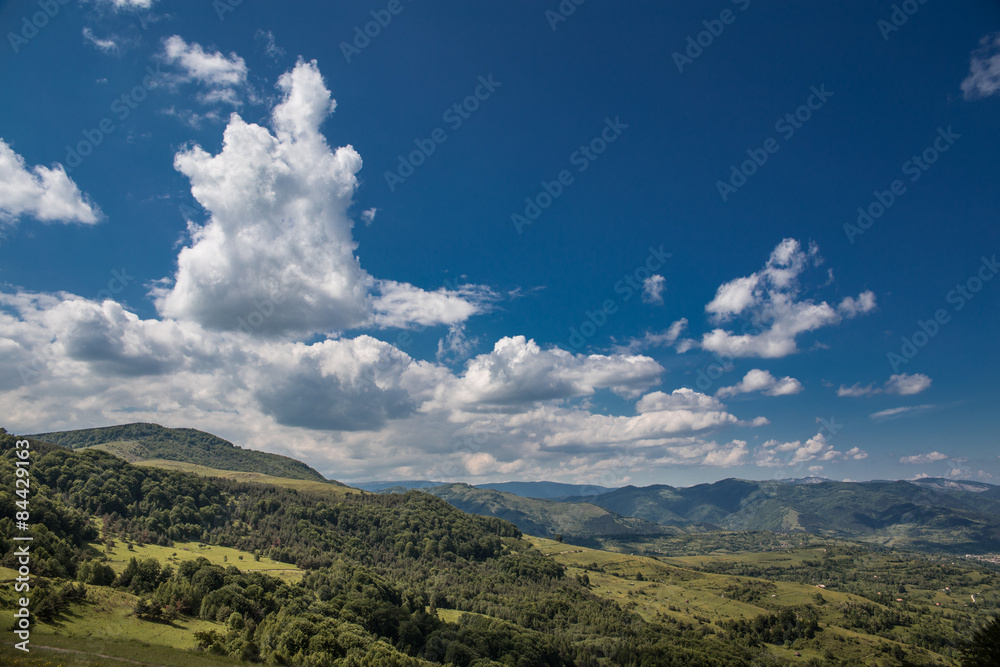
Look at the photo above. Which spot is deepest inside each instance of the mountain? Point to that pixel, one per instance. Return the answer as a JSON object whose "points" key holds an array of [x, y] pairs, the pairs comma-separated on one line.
{"points": [[546, 489], [928, 514], [804, 480], [579, 521], [524, 489], [955, 484], [152, 442], [147, 563], [379, 487]]}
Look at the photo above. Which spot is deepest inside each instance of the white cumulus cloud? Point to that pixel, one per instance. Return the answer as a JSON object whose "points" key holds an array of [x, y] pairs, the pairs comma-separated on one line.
{"points": [[771, 303], [775, 453], [43, 193], [221, 76], [764, 382], [931, 457], [276, 257]]}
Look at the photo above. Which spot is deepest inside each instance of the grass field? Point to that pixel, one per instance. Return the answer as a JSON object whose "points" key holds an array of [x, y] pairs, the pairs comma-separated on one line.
{"points": [[182, 551], [334, 491], [104, 631], [656, 589]]}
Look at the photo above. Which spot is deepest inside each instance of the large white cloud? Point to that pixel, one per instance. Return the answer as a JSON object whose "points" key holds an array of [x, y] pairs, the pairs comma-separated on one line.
{"points": [[276, 257], [519, 372], [43, 193], [348, 406], [770, 303]]}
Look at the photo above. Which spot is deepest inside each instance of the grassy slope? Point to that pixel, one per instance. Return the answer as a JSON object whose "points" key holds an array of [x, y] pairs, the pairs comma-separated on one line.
{"points": [[334, 490], [673, 590], [183, 551], [105, 626]]}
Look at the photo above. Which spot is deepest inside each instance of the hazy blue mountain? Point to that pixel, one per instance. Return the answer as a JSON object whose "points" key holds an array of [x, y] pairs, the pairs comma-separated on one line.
{"points": [[922, 514], [579, 521], [546, 489], [378, 487]]}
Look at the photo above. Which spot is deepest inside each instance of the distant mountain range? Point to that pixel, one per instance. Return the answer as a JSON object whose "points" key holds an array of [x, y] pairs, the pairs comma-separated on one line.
{"points": [[929, 513], [523, 489], [543, 517]]}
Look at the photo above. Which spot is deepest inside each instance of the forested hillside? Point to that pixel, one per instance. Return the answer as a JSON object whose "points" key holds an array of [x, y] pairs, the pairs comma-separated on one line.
{"points": [[407, 579], [379, 567]]}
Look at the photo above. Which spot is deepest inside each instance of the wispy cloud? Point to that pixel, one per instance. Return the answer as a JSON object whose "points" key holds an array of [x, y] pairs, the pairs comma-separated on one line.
{"points": [[105, 45], [895, 413], [984, 69], [653, 288], [222, 76], [903, 384], [932, 457]]}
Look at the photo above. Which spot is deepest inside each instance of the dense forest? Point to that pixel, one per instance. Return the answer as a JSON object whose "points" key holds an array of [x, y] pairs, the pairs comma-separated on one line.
{"points": [[379, 566]]}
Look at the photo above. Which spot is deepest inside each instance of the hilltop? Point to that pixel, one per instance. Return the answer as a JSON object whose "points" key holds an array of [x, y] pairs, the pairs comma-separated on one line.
{"points": [[151, 442]]}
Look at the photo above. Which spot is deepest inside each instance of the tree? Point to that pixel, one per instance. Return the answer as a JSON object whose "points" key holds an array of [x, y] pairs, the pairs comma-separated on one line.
{"points": [[984, 650]]}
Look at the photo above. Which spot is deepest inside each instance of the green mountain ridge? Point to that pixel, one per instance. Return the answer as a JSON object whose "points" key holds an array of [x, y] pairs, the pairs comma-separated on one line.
{"points": [[541, 517], [144, 442], [919, 515]]}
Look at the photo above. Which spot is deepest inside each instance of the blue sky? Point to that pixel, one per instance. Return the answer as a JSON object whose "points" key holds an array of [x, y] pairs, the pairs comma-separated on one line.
{"points": [[590, 242]]}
